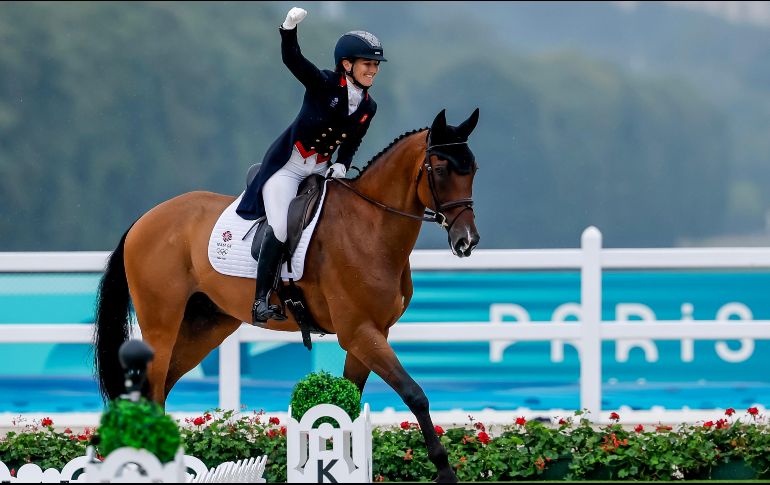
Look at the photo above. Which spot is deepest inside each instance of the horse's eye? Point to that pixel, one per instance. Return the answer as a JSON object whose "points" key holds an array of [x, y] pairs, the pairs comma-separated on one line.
{"points": [[440, 171]]}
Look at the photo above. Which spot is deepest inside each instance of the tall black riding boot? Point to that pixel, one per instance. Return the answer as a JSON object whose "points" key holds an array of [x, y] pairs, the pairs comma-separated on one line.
{"points": [[268, 267]]}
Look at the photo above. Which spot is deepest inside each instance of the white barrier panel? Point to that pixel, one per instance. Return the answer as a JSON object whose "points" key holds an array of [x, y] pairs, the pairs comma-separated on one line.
{"points": [[129, 465], [586, 334], [308, 458]]}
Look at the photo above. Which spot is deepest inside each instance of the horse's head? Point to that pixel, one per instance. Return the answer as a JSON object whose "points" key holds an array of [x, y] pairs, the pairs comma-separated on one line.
{"points": [[448, 187]]}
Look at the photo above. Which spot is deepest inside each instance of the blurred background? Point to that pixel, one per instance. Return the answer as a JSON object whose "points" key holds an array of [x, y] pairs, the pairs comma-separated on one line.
{"points": [[650, 120]]}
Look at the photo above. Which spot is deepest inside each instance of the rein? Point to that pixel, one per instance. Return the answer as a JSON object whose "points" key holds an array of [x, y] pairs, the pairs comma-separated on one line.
{"points": [[436, 216], [428, 218]]}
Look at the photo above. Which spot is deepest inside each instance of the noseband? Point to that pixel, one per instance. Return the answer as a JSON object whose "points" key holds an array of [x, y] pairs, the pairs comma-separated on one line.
{"points": [[436, 216]]}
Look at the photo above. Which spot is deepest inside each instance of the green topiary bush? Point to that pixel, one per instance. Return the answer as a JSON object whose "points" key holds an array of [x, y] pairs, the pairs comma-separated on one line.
{"points": [[141, 424], [324, 388]]}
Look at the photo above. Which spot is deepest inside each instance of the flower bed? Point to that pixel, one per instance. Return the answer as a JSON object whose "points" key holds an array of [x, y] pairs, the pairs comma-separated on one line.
{"points": [[569, 447]]}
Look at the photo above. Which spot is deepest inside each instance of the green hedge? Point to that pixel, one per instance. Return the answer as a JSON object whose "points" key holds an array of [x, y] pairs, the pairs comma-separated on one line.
{"points": [[570, 448]]}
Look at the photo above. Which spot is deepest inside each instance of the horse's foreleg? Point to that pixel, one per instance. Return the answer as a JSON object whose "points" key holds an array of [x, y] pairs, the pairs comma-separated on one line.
{"points": [[356, 371], [370, 347]]}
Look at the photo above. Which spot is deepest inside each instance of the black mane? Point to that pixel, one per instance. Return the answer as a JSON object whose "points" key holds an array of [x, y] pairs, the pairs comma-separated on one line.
{"points": [[383, 151]]}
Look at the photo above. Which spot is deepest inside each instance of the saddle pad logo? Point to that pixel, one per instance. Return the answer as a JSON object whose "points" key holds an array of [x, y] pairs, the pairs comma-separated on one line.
{"points": [[227, 236], [334, 102], [364, 118]]}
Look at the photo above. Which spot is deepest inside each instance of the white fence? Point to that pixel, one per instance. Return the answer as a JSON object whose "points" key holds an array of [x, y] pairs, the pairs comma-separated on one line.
{"points": [[591, 259]]}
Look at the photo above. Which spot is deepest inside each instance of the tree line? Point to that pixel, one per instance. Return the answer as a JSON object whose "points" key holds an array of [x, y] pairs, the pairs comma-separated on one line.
{"points": [[107, 109]]}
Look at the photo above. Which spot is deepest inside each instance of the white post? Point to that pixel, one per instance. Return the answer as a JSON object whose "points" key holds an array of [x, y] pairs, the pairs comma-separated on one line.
{"points": [[230, 372], [591, 302]]}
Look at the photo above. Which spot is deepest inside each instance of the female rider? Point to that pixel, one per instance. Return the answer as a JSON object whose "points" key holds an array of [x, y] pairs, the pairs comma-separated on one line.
{"points": [[335, 115]]}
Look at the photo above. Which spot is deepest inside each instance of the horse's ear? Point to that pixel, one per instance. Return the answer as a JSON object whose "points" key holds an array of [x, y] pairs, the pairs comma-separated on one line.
{"points": [[467, 126], [439, 124]]}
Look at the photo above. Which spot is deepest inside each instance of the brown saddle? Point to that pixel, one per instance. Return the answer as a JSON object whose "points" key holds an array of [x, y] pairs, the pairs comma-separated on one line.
{"points": [[302, 210]]}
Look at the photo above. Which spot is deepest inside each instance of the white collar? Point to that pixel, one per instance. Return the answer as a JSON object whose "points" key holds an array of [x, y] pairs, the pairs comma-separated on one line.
{"points": [[355, 94]]}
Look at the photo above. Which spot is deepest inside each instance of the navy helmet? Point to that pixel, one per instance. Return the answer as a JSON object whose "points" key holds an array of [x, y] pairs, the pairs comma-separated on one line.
{"points": [[358, 44]]}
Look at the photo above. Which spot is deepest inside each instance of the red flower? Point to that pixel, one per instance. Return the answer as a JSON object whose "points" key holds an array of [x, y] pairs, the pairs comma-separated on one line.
{"points": [[484, 438], [47, 422], [639, 428], [13, 472], [540, 463], [480, 426], [663, 428], [614, 416], [405, 425], [283, 430], [753, 411], [379, 478], [67, 431], [521, 421], [730, 411], [208, 417], [722, 424], [708, 424], [199, 421], [275, 420], [439, 430], [563, 421], [271, 433]]}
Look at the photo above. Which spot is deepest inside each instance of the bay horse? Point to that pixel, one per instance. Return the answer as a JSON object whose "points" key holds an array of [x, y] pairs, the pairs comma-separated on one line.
{"points": [[357, 278]]}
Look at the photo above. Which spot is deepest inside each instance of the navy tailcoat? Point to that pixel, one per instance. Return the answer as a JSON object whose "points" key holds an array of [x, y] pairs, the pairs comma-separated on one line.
{"points": [[322, 126]]}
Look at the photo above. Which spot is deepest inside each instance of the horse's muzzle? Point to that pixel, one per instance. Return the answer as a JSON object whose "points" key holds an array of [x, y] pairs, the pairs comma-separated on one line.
{"points": [[463, 239]]}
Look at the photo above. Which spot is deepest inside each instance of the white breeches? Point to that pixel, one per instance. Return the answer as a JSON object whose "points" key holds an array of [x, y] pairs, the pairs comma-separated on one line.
{"points": [[281, 188]]}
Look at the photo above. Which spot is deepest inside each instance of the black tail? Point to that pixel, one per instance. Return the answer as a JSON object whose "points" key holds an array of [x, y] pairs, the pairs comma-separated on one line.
{"points": [[112, 309]]}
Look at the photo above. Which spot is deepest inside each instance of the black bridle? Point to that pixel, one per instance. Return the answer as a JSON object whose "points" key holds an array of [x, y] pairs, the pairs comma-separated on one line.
{"points": [[436, 216]]}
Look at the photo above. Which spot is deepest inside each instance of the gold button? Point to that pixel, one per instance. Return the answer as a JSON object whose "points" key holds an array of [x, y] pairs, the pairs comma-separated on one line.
{"points": [[326, 154], [344, 135], [312, 148], [323, 134], [331, 147], [317, 140], [337, 142], [330, 129]]}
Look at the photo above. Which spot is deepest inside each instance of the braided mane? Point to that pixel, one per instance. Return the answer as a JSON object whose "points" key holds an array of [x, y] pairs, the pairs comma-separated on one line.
{"points": [[385, 150]]}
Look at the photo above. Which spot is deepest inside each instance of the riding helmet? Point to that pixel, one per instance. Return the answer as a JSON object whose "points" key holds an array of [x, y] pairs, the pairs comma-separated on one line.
{"points": [[358, 44]]}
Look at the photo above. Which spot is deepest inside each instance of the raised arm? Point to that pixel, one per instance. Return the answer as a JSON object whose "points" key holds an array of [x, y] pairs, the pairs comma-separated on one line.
{"points": [[304, 70]]}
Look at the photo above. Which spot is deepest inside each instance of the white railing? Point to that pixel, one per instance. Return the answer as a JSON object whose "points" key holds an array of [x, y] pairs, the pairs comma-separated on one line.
{"points": [[591, 259]]}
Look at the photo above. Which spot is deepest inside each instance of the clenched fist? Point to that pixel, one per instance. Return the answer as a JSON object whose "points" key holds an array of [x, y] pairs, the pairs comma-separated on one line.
{"points": [[294, 17]]}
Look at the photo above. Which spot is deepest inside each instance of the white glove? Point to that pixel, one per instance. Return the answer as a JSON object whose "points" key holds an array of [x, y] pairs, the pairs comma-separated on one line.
{"points": [[294, 17], [337, 170]]}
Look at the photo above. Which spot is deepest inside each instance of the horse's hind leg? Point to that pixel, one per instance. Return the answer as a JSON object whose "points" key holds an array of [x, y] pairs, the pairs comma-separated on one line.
{"points": [[160, 317], [368, 344], [202, 330]]}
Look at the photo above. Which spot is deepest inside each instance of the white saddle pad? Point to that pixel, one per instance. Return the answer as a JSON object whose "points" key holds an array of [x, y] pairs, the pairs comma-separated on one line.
{"points": [[230, 252]]}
